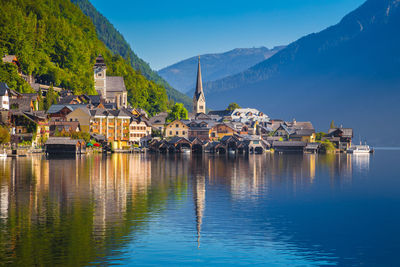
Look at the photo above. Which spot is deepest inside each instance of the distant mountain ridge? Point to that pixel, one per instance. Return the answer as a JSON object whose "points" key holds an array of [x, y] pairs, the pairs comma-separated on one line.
{"points": [[182, 75], [349, 72], [115, 41]]}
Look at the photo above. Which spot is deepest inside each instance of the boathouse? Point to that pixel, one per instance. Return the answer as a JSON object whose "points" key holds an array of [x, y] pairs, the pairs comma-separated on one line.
{"points": [[64, 145], [289, 146]]}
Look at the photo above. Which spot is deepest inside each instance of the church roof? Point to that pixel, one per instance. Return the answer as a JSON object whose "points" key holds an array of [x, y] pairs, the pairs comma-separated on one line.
{"points": [[115, 84]]}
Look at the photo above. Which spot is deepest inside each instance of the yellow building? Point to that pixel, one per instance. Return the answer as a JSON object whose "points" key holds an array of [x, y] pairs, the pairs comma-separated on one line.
{"points": [[177, 128], [81, 115], [305, 135], [220, 130], [114, 125]]}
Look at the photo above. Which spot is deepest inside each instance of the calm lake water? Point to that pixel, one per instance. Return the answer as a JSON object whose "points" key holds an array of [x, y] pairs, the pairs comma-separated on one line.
{"points": [[275, 210]]}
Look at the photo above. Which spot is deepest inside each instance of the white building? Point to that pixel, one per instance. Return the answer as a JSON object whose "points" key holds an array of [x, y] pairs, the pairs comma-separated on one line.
{"points": [[245, 115], [4, 99]]}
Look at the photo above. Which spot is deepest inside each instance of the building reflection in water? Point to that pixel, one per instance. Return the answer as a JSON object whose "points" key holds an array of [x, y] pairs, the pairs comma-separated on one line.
{"points": [[82, 202], [248, 176], [87, 199]]}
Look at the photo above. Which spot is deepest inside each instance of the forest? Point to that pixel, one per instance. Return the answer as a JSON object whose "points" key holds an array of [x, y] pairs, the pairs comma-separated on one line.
{"points": [[56, 43]]}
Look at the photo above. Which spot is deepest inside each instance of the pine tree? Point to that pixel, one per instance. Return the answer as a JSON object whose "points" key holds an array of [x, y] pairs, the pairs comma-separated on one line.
{"points": [[40, 100], [51, 98]]}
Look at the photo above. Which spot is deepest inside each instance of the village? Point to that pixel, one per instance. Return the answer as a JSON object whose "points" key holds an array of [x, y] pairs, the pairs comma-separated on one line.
{"points": [[78, 124]]}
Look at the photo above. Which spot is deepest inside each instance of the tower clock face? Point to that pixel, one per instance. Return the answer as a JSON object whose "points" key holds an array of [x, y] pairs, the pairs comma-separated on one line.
{"points": [[98, 70]]}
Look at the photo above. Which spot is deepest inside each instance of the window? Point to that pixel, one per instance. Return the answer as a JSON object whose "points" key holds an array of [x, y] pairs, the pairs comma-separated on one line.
{"points": [[177, 125], [170, 132], [76, 119], [183, 132], [177, 132], [201, 107], [70, 119]]}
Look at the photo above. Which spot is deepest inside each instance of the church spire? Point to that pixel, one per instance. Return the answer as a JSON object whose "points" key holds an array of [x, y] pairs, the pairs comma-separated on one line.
{"points": [[199, 84], [199, 101]]}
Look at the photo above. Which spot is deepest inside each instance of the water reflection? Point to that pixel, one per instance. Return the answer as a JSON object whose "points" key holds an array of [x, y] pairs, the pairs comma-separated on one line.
{"points": [[88, 209]]}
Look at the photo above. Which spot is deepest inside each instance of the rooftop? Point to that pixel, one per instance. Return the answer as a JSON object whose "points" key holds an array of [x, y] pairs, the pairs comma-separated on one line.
{"points": [[115, 84]]}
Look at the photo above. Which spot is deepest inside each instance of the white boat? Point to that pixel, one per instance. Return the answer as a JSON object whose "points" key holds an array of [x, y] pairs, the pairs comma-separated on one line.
{"points": [[359, 149]]}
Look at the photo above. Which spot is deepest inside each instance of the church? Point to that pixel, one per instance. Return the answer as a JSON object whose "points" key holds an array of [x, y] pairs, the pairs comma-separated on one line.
{"points": [[199, 100], [111, 88]]}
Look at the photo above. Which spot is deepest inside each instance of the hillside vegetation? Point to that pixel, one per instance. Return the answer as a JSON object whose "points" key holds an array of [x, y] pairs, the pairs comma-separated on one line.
{"points": [[58, 44], [118, 45]]}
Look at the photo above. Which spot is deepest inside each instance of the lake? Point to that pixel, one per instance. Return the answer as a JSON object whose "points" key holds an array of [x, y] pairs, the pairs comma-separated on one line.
{"points": [[275, 210]]}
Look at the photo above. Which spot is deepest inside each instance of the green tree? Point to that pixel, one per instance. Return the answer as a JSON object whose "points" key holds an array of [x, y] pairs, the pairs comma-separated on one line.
{"points": [[4, 135], [51, 98], [178, 112], [232, 106], [318, 136], [57, 133], [332, 125], [40, 100], [328, 146], [81, 135]]}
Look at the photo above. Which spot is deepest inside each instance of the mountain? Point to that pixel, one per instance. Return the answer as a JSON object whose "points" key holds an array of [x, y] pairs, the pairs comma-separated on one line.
{"points": [[118, 45], [349, 72], [55, 42], [182, 75]]}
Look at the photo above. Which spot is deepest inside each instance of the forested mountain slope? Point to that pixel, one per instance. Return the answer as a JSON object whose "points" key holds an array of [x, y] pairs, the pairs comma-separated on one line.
{"points": [[57, 43], [118, 45]]}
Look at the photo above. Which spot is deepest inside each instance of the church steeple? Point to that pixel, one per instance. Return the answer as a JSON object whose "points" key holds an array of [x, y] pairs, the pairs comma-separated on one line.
{"points": [[199, 100]]}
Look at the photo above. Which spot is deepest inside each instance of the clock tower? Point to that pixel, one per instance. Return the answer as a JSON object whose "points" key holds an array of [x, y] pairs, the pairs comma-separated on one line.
{"points": [[100, 76]]}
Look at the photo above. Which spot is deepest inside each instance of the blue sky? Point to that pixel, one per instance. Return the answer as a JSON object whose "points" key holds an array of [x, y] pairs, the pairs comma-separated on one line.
{"points": [[165, 32]]}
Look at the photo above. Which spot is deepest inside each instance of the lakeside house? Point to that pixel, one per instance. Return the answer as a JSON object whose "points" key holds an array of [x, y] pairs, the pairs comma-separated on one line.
{"points": [[158, 121], [177, 128], [200, 129], [340, 137]]}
